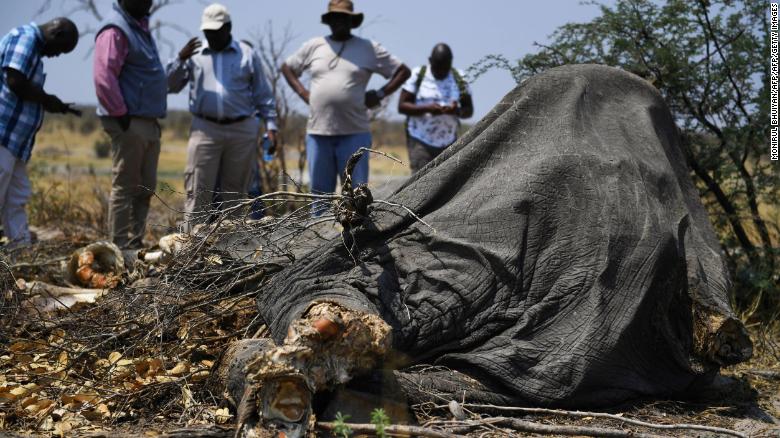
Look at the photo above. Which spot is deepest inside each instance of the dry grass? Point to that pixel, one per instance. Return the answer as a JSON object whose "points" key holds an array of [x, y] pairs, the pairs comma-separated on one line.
{"points": [[71, 185], [59, 148]]}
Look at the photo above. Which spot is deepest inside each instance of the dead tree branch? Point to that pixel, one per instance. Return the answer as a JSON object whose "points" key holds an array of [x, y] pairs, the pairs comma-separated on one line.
{"points": [[554, 429], [391, 430], [614, 417]]}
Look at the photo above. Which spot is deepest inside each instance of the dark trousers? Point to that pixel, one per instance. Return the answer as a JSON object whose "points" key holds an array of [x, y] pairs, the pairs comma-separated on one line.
{"points": [[420, 153]]}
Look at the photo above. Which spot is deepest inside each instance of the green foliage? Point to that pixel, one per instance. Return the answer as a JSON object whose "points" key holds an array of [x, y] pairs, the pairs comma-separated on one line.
{"points": [[341, 429], [709, 60], [380, 419]]}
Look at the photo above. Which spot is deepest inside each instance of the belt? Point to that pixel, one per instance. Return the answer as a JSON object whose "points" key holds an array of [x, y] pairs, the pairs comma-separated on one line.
{"points": [[222, 121]]}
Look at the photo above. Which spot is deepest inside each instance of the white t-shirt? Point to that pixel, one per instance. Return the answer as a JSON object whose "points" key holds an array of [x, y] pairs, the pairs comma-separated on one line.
{"points": [[338, 82], [437, 131]]}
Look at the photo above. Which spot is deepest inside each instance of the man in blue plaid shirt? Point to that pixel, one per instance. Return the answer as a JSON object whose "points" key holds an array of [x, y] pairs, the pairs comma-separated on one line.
{"points": [[22, 102]]}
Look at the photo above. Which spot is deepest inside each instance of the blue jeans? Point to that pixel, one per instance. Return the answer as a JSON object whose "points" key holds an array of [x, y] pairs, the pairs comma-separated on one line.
{"points": [[328, 155]]}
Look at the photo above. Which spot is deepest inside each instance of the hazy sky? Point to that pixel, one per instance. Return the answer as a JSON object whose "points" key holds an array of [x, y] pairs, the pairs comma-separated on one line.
{"points": [[408, 28]]}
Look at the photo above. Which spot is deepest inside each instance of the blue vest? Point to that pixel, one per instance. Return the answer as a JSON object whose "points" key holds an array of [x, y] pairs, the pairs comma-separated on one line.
{"points": [[143, 81]]}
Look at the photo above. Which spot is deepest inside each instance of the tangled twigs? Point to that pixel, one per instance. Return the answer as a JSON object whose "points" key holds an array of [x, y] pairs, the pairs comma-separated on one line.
{"points": [[513, 423], [192, 432], [38, 264], [351, 209], [86, 351], [353, 206], [391, 430], [614, 417], [553, 429]]}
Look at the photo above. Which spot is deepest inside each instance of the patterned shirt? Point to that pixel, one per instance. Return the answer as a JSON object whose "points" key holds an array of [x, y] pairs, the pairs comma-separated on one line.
{"points": [[21, 50], [438, 131]]}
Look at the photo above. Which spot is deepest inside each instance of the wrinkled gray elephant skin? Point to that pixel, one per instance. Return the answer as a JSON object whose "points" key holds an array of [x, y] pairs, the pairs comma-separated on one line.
{"points": [[572, 263]]}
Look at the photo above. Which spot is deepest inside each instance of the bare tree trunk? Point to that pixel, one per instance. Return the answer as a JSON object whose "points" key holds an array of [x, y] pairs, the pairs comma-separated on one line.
{"points": [[272, 48], [97, 11]]}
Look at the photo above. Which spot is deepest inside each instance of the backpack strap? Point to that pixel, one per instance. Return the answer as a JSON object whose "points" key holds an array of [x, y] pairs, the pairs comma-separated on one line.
{"points": [[417, 84], [460, 82], [420, 78]]}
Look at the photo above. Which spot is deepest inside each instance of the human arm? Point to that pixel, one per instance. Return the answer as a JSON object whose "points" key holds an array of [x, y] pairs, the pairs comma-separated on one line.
{"points": [[294, 67], [295, 83], [111, 49], [463, 108], [407, 105], [24, 89], [459, 108], [466, 107], [264, 100], [179, 70], [21, 63], [401, 74], [407, 102]]}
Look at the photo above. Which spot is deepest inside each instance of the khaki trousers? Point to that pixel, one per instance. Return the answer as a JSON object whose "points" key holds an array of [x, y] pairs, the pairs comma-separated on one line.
{"points": [[224, 152], [135, 154]]}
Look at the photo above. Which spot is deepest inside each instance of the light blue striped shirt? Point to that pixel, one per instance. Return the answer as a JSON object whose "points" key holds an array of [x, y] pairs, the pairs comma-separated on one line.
{"points": [[225, 85]]}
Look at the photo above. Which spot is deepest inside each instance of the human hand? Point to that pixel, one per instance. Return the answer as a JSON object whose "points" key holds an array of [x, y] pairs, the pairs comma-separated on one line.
{"points": [[71, 110], [305, 95], [372, 99], [189, 49], [124, 122], [53, 104], [272, 138], [451, 109], [434, 108]]}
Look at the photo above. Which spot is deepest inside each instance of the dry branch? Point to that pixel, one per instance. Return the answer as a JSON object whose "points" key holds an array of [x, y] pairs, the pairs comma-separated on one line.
{"points": [[192, 432], [391, 430], [614, 417], [766, 374], [550, 429]]}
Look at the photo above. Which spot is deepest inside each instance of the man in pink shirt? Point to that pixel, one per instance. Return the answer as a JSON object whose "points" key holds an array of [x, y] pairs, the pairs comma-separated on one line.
{"points": [[131, 88]]}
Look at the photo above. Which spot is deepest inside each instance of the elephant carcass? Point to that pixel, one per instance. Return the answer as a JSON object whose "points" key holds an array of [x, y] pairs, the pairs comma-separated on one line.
{"points": [[568, 262]]}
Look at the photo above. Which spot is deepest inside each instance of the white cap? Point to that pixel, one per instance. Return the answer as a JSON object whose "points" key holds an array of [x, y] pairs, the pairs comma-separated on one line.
{"points": [[214, 17]]}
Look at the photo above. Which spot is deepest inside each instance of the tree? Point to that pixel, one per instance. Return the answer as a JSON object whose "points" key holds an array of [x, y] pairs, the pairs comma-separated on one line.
{"points": [[97, 12], [709, 59], [272, 48]]}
